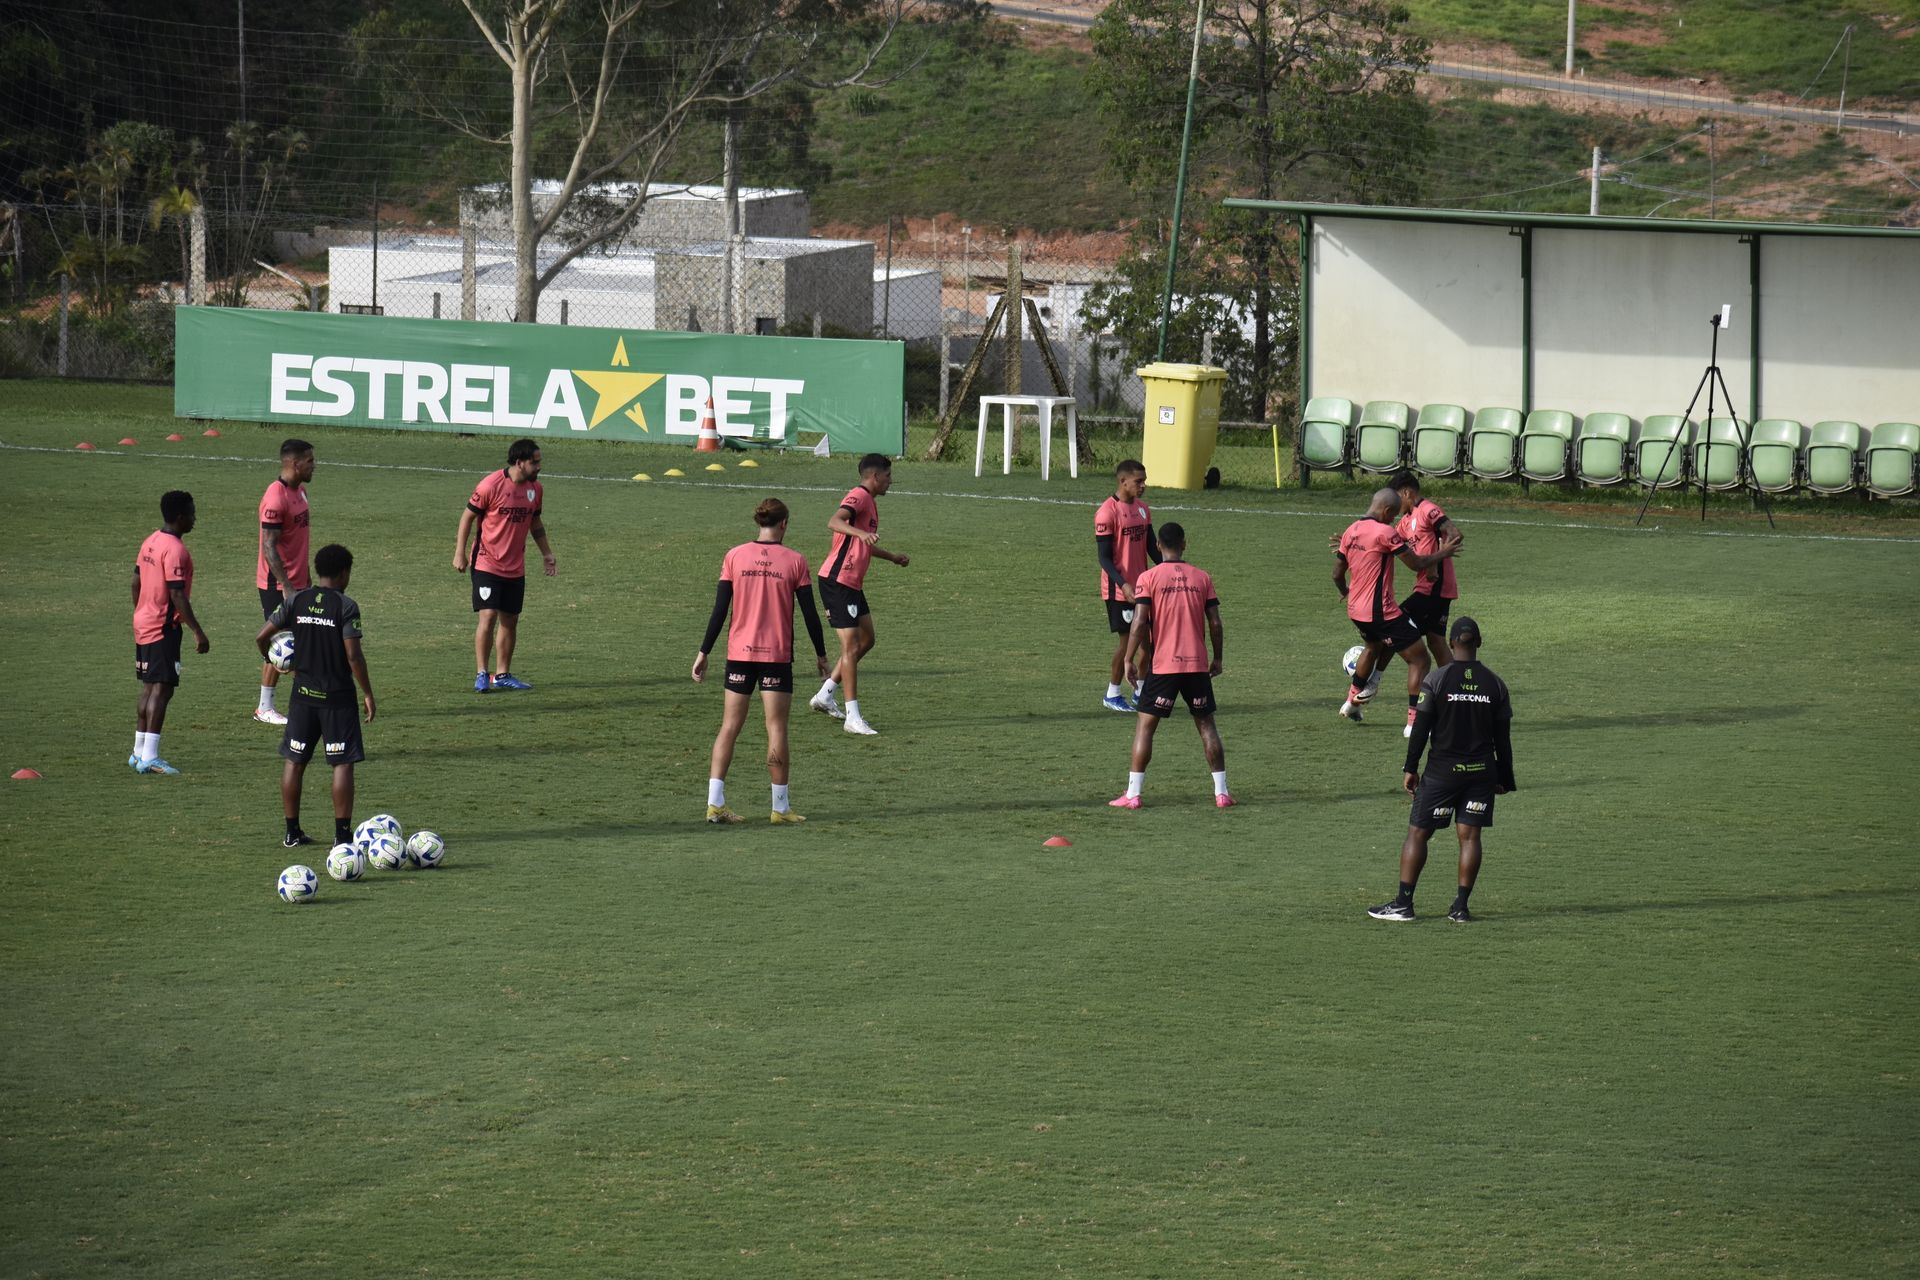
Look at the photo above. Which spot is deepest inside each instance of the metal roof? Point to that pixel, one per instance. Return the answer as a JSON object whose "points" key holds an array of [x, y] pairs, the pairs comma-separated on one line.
{"points": [[1564, 221]]}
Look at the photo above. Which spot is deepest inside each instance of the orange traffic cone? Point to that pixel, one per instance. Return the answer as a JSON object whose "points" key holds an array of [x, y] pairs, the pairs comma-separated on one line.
{"points": [[709, 438]]}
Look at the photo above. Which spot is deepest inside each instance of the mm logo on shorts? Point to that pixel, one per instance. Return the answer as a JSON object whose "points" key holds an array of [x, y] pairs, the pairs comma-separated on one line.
{"points": [[336, 748], [296, 744], [1443, 811], [1476, 806], [736, 677]]}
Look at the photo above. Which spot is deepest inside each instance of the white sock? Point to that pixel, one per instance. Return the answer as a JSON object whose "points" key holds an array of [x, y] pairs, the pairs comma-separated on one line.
{"points": [[1113, 691], [141, 749], [828, 689], [153, 747], [1220, 782], [716, 791], [1135, 781], [853, 709], [266, 697], [780, 801]]}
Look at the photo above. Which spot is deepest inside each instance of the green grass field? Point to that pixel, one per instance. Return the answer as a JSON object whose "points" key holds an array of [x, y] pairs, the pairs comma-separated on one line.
{"points": [[906, 1039]]}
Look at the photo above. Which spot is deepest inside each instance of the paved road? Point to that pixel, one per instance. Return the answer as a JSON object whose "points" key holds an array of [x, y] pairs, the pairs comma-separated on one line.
{"points": [[1583, 88]]}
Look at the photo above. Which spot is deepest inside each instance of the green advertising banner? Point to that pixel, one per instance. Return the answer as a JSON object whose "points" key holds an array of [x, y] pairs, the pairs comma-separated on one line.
{"points": [[522, 379]]}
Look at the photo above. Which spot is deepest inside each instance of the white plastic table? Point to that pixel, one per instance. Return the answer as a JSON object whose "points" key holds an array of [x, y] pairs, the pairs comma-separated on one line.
{"points": [[1044, 406]]}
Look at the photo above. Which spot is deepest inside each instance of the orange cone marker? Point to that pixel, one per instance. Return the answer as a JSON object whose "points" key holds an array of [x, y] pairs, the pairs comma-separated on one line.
{"points": [[128, 440], [176, 437], [83, 445], [1057, 842], [25, 775], [210, 431], [709, 438]]}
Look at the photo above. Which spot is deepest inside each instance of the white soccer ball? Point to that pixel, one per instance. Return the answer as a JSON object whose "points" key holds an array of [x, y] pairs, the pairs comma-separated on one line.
{"points": [[1352, 659], [298, 884], [425, 849], [385, 852], [378, 824], [346, 862], [280, 650]]}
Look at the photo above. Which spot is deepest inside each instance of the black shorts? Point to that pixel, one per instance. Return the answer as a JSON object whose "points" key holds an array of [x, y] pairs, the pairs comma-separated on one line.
{"points": [[1399, 635], [271, 598], [503, 595], [1429, 613], [1446, 792], [159, 662], [767, 677], [845, 605], [1157, 694], [1119, 616], [334, 727]]}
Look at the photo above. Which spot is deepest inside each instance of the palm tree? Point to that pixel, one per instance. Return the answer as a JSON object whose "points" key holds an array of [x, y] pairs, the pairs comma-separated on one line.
{"points": [[178, 204]]}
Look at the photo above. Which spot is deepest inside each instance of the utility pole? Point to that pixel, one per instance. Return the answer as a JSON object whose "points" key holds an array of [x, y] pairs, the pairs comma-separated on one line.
{"points": [[1846, 62], [1569, 72], [1593, 196], [242, 6]]}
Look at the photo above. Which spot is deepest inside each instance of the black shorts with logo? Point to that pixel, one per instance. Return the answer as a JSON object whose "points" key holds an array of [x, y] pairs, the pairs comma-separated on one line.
{"points": [[767, 677], [504, 595], [159, 662], [845, 605], [1429, 612], [271, 598], [1119, 616], [1463, 791], [1399, 635], [1157, 695], [331, 727]]}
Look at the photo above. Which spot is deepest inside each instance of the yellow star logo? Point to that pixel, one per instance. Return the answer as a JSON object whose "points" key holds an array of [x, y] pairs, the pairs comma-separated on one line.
{"points": [[616, 390]]}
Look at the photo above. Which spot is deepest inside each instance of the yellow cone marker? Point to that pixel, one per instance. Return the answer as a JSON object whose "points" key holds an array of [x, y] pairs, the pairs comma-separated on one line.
{"points": [[714, 466], [748, 462], [642, 476], [673, 471]]}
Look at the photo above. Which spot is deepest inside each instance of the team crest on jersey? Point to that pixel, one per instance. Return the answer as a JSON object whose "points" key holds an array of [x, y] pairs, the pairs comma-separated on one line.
{"points": [[1126, 615], [486, 593], [529, 495], [853, 611]]}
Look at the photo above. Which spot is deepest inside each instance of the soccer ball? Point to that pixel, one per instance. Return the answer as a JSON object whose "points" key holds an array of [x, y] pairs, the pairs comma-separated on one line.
{"points": [[298, 884], [378, 824], [280, 651], [1352, 659], [346, 862], [384, 851], [425, 849]]}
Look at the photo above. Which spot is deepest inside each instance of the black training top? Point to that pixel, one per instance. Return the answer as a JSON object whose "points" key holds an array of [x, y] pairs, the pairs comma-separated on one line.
{"points": [[321, 619], [1466, 714]]}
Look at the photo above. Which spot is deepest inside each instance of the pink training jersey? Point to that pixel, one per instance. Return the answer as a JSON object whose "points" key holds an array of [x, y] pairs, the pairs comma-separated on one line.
{"points": [[163, 564], [765, 576], [1178, 595], [283, 517], [1128, 523], [506, 510], [1421, 528], [848, 558], [1369, 547]]}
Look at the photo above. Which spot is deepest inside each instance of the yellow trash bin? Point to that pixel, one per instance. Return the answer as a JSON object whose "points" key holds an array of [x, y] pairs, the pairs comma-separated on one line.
{"points": [[1182, 424]]}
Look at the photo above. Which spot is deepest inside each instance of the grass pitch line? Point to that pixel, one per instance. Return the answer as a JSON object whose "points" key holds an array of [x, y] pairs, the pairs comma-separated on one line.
{"points": [[1565, 526]]}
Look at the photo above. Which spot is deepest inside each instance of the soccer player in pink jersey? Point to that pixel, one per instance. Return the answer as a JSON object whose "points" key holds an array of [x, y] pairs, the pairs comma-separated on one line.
{"points": [[1423, 524], [856, 541], [282, 569], [506, 505], [1367, 550], [1176, 602], [162, 605], [1122, 542], [759, 583]]}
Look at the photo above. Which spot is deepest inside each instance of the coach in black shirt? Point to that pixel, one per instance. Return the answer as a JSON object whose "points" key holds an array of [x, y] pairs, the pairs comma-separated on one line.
{"points": [[1466, 716]]}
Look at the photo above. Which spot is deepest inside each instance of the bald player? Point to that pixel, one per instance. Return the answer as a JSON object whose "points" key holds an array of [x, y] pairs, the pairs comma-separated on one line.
{"points": [[1363, 574]]}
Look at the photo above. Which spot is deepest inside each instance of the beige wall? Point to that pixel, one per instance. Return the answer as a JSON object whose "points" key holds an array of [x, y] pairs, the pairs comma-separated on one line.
{"points": [[1416, 311], [1840, 332]]}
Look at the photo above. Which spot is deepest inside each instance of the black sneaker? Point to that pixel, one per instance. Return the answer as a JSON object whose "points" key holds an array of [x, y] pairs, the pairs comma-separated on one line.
{"points": [[297, 839], [1460, 914], [1392, 911]]}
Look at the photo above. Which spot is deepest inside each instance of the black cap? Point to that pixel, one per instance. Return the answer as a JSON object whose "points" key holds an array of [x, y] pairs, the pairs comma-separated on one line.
{"points": [[1465, 631]]}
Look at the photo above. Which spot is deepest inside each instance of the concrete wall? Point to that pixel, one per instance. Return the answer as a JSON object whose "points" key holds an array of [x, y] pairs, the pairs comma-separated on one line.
{"points": [[1840, 333]]}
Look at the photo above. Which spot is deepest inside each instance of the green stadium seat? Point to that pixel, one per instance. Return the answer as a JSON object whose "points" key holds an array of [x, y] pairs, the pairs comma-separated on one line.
{"points": [[1437, 434], [1720, 454], [1660, 458], [1380, 442], [1890, 458], [1546, 444], [1773, 454], [1323, 433], [1493, 443], [1601, 448], [1833, 457]]}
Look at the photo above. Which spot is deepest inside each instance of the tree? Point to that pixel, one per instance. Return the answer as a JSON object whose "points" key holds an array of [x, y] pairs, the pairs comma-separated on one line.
{"points": [[178, 204], [1296, 98], [605, 87]]}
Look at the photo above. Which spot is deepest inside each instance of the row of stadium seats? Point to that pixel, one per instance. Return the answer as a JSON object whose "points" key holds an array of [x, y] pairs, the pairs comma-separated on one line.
{"points": [[1774, 455]]}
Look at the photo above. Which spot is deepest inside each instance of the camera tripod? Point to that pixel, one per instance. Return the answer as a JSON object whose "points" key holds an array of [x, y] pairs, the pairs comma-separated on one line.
{"points": [[1711, 382]]}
